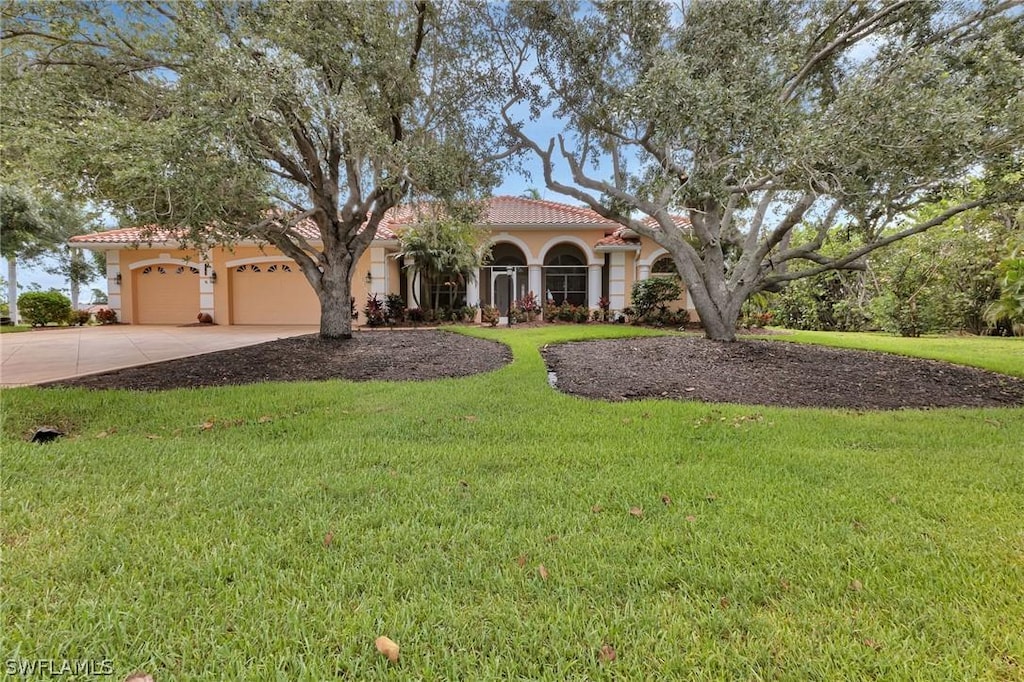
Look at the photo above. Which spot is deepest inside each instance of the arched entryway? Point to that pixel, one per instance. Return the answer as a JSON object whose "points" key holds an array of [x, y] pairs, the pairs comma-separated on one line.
{"points": [[565, 275], [505, 278]]}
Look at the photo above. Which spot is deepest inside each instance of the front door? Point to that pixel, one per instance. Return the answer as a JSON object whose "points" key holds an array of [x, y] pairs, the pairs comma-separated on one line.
{"points": [[503, 286]]}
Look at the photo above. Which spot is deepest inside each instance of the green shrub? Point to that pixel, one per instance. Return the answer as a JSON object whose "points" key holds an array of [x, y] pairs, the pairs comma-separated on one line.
{"points": [[394, 309], [40, 308], [651, 296], [79, 317]]}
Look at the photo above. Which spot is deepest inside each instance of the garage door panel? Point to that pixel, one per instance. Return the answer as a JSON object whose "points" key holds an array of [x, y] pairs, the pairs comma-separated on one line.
{"points": [[272, 293], [166, 294]]}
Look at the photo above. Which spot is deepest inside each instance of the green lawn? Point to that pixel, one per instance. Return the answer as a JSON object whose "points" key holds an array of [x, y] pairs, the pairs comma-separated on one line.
{"points": [[797, 544], [1004, 355], [14, 329]]}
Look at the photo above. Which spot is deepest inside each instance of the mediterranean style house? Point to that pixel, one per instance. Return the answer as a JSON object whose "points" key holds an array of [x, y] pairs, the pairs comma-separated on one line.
{"points": [[558, 252]]}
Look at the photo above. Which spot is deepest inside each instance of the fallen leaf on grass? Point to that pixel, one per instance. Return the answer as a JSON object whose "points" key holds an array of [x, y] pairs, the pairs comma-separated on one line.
{"points": [[711, 497], [387, 647], [856, 586], [607, 654], [784, 584], [691, 518], [152, 436], [542, 571], [328, 539], [206, 426], [724, 602], [470, 417], [521, 560], [265, 419], [870, 643], [597, 509], [666, 500], [636, 512], [552, 538]]}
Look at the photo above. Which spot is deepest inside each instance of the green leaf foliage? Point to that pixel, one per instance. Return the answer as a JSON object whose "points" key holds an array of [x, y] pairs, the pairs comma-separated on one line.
{"points": [[40, 308]]}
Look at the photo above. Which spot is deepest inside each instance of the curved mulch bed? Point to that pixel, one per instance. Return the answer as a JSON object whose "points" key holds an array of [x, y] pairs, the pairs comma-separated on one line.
{"points": [[770, 373], [380, 355]]}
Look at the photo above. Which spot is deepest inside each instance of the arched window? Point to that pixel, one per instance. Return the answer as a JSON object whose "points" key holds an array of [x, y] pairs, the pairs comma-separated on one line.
{"points": [[664, 266], [565, 275]]}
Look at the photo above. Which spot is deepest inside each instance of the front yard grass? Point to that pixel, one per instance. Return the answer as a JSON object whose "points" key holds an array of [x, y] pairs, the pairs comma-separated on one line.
{"points": [[1005, 355], [273, 531]]}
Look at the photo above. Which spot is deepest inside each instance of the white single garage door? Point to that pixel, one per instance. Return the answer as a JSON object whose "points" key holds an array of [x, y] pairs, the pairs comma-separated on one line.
{"points": [[272, 293], [166, 294]]}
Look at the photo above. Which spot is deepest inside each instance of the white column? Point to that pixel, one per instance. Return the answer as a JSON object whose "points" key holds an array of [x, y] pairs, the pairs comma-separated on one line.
{"points": [[113, 288], [206, 289], [593, 286], [536, 285], [473, 290], [643, 272], [617, 280]]}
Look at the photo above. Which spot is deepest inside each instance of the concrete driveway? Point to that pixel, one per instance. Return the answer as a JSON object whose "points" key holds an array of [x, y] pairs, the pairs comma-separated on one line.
{"points": [[51, 354]]}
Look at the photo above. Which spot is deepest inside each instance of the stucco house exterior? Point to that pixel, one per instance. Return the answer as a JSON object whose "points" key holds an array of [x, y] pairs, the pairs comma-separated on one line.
{"points": [[557, 251]]}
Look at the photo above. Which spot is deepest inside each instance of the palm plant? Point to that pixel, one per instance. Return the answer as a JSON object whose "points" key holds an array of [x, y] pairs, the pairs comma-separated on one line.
{"points": [[442, 252], [1010, 304]]}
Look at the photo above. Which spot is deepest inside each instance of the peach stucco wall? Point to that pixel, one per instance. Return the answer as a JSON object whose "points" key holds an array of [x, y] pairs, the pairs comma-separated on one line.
{"points": [[623, 268]]}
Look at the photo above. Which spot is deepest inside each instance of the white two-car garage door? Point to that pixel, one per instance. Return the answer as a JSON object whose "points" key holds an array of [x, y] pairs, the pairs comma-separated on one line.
{"points": [[272, 293], [166, 294]]}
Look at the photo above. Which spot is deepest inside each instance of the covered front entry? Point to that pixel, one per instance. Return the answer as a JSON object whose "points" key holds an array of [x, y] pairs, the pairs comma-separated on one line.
{"points": [[271, 293], [506, 279], [166, 293]]}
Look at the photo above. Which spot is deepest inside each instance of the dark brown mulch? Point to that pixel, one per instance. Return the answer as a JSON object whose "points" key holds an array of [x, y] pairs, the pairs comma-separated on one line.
{"points": [[383, 355], [770, 373]]}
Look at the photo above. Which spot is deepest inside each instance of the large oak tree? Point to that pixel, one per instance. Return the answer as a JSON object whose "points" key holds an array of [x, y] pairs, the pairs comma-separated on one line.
{"points": [[240, 120], [755, 118]]}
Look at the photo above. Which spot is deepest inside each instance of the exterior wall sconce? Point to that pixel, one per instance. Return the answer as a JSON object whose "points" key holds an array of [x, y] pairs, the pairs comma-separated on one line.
{"points": [[213, 277], [118, 279], [369, 278]]}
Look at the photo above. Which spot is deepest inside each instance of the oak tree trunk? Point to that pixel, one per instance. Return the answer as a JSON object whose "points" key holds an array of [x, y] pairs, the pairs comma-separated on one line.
{"points": [[335, 295]]}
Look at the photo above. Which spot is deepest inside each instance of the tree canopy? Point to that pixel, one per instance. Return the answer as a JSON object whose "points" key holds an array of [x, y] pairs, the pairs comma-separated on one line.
{"points": [[251, 117], [755, 118]]}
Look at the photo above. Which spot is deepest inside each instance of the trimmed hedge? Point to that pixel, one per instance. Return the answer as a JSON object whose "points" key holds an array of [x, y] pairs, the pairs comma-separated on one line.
{"points": [[40, 308]]}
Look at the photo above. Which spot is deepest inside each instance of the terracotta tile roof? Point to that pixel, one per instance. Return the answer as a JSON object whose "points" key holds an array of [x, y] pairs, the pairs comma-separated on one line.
{"points": [[619, 237], [499, 211], [521, 211], [146, 234]]}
